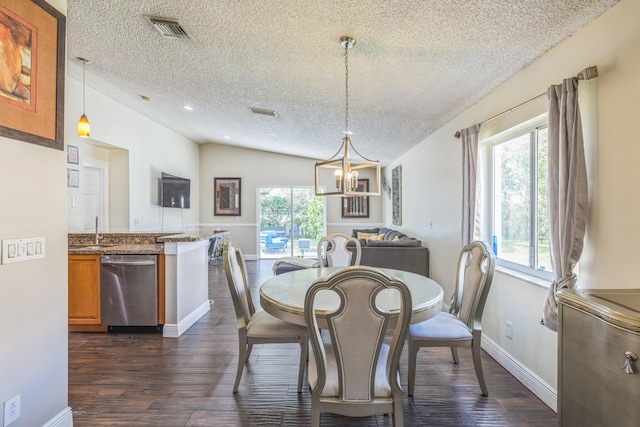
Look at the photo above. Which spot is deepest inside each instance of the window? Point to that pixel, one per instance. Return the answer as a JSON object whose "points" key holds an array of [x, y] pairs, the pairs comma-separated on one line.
{"points": [[520, 227]]}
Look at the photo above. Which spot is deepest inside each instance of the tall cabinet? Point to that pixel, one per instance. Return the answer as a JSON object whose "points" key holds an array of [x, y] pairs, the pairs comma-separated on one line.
{"points": [[598, 349]]}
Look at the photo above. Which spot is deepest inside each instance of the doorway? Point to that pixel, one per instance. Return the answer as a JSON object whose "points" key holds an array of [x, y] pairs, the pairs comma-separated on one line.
{"points": [[292, 220], [95, 190]]}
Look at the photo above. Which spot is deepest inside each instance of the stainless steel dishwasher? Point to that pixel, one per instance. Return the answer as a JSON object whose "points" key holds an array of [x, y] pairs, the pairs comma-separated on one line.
{"points": [[129, 290]]}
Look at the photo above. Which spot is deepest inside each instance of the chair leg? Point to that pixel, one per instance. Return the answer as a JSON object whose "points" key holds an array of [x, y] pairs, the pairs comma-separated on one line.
{"points": [[413, 354], [248, 354], [398, 415], [454, 354], [315, 413], [304, 349], [242, 357], [477, 364]]}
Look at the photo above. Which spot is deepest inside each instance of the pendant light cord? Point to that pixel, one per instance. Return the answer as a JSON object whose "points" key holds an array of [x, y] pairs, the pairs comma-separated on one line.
{"points": [[84, 61]]}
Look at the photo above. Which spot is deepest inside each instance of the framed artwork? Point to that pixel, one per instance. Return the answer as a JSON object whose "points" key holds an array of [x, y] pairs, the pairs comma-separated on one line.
{"points": [[396, 195], [72, 154], [32, 34], [357, 206], [73, 178], [227, 196]]}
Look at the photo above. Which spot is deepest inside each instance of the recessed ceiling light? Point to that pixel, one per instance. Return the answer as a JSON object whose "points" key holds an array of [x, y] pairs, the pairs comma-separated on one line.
{"points": [[144, 97], [263, 112], [227, 137], [187, 107]]}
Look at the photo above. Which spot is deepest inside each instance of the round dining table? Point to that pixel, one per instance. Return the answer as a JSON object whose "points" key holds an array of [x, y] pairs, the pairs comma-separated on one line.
{"points": [[283, 295]]}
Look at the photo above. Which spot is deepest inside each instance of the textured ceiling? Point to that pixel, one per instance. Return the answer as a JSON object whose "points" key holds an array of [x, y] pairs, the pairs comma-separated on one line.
{"points": [[415, 66]]}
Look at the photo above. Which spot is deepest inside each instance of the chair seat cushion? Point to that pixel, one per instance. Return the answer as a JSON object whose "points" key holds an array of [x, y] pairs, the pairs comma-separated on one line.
{"points": [[331, 387], [442, 326], [262, 324]]}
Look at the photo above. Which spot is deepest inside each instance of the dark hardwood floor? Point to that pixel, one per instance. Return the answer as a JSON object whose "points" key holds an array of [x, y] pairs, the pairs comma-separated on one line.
{"points": [[133, 379]]}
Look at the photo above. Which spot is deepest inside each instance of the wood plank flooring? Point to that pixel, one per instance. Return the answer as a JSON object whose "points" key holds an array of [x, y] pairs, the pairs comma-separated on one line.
{"points": [[133, 379]]}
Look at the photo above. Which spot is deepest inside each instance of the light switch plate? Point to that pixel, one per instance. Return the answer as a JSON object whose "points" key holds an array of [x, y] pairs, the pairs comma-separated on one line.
{"points": [[18, 250]]}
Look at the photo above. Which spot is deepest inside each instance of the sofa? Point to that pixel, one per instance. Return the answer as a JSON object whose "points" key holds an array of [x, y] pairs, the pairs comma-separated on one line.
{"points": [[388, 248], [380, 247]]}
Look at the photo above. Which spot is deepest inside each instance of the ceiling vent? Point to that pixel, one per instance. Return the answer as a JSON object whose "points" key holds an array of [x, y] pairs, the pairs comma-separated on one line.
{"points": [[263, 112], [169, 28]]}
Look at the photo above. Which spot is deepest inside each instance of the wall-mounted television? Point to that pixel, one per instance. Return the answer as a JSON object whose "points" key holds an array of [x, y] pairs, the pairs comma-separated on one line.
{"points": [[175, 192]]}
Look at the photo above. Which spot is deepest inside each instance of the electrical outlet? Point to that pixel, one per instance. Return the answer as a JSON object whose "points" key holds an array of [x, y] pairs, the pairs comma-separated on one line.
{"points": [[11, 410], [509, 330]]}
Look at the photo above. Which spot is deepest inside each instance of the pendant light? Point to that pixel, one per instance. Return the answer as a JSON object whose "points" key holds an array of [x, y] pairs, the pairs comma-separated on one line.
{"points": [[339, 175], [84, 128]]}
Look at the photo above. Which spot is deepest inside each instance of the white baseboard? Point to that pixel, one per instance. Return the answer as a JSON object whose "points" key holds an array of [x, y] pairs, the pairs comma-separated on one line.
{"points": [[530, 380], [63, 419], [171, 330]]}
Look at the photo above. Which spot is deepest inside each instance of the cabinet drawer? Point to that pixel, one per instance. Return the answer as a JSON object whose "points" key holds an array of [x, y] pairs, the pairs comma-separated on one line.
{"points": [[595, 390]]}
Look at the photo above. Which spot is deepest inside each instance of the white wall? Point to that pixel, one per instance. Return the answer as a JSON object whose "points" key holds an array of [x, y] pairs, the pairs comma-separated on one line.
{"points": [[263, 169], [611, 106], [143, 149], [33, 294]]}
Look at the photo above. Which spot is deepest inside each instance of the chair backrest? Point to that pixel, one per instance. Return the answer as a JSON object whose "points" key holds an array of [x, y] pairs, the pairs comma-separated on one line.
{"points": [[476, 265], [333, 252], [357, 329], [235, 269]]}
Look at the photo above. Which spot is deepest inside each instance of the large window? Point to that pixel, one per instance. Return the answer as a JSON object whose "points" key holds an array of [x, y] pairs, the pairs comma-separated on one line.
{"points": [[520, 226]]}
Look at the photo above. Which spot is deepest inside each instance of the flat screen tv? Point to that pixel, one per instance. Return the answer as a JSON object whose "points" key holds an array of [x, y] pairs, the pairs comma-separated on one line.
{"points": [[175, 192]]}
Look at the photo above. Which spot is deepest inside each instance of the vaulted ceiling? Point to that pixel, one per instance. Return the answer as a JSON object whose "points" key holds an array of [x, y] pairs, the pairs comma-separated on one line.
{"points": [[415, 66]]}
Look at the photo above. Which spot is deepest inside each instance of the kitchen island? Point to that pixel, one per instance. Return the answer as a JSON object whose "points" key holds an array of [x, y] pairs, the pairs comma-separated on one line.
{"points": [[183, 295]]}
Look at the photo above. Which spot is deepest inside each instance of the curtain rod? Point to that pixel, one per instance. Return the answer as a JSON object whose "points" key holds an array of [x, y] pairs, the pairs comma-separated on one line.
{"points": [[586, 74]]}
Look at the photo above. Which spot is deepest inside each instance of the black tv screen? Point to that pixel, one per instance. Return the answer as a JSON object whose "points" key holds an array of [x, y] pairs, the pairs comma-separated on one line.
{"points": [[175, 192]]}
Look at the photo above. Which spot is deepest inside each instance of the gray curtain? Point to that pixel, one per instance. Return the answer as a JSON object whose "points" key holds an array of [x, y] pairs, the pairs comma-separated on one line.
{"points": [[567, 192], [469, 139]]}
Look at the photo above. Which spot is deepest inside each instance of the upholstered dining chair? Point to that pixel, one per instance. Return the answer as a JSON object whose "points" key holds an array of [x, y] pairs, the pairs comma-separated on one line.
{"points": [[257, 327], [333, 252], [353, 372], [460, 327]]}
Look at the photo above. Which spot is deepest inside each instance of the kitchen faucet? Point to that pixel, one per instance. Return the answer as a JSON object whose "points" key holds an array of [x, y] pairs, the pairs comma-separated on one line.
{"points": [[99, 235]]}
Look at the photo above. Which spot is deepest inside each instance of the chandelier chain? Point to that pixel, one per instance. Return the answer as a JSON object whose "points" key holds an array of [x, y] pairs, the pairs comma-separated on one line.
{"points": [[346, 89]]}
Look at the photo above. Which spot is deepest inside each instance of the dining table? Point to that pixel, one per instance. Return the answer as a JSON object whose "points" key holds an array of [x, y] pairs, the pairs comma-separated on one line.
{"points": [[283, 295]]}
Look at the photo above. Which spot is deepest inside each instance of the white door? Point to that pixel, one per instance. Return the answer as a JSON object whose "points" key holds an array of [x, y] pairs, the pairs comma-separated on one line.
{"points": [[95, 200]]}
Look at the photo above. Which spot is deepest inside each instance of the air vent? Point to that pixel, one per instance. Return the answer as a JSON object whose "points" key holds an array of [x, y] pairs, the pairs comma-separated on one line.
{"points": [[263, 112], [169, 28]]}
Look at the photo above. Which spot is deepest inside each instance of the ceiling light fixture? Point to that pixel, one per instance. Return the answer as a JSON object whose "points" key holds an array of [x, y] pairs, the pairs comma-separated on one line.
{"points": [[84, 128], [342, 171]]}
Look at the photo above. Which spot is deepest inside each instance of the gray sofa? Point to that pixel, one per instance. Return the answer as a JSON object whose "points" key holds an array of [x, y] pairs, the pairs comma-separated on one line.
{"points": [[395, 250]]}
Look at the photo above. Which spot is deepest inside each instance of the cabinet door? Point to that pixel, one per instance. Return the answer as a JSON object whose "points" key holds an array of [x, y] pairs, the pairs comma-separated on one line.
{"points": [[595, 391], [84, 289]]}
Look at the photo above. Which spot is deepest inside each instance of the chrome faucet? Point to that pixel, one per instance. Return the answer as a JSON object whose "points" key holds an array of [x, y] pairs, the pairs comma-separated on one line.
{"points": [[99, 235]]}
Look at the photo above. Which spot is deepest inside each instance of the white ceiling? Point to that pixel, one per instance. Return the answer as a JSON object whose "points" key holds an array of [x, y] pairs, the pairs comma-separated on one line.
{"points": [[415, 66]]}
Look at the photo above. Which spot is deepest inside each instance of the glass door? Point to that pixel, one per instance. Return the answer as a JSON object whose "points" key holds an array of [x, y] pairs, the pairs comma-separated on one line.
{"points": [[292, 220]]}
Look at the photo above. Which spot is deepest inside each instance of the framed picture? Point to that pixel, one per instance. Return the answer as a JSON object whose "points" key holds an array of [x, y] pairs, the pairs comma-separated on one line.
{"points": [[72, 154], [227, 196], [396, 195], [355, 206], [73, 178], [32, 72]]}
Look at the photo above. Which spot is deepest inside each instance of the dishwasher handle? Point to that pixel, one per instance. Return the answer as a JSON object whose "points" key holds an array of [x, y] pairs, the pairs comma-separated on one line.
{"points": [[128, 263]]}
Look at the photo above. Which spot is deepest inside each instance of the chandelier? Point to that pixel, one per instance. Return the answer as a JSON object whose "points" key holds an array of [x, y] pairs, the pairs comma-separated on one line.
{"points": [[347, 171]]}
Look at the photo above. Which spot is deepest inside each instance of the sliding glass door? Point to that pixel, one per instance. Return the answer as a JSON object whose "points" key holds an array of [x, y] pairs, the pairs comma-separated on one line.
{"points": [[292, 220]]}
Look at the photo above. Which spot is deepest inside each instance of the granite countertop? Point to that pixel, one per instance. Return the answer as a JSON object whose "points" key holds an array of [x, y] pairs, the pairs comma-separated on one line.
{"points": [[136, 243], [192, 234]]}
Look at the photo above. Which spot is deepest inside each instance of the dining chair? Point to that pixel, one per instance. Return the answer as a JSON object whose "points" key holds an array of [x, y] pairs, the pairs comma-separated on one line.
{"points": [[461, 326], [353, 372], [257, 327], [333, 252]]}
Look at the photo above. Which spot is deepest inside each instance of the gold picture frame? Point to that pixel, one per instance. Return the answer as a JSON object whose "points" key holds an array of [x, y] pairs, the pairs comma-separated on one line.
{"points": [[32, 72]]}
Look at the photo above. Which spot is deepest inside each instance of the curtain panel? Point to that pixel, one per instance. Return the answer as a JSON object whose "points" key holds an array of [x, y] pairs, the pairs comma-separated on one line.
{"points": [[469, 139], [567, 180]]}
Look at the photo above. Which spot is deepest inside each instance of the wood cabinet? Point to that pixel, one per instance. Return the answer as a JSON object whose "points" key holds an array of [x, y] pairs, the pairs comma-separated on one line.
{"points": [[597, 331], [84, 289]]}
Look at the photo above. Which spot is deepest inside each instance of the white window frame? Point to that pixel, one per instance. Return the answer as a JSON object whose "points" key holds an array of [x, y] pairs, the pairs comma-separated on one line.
{"points": [[524, 272]]}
